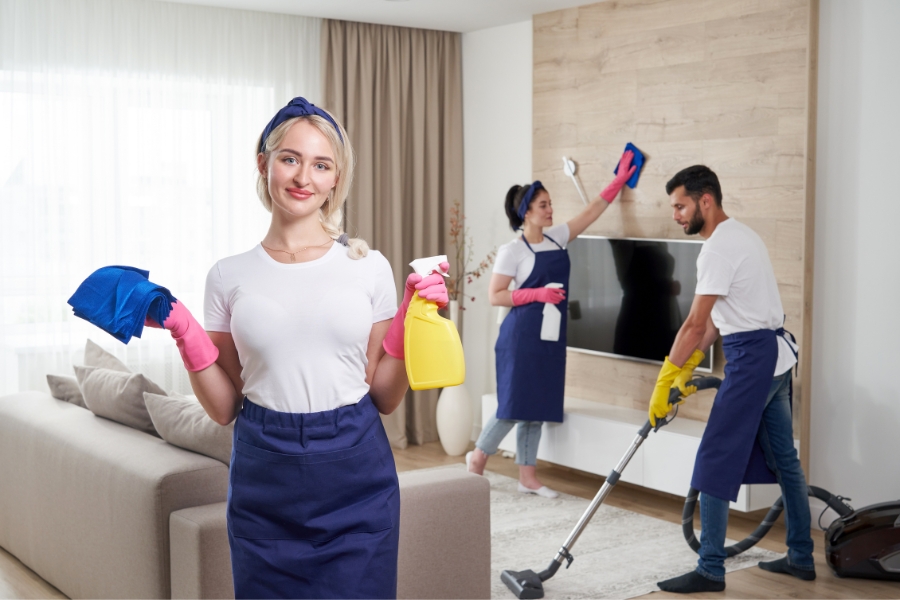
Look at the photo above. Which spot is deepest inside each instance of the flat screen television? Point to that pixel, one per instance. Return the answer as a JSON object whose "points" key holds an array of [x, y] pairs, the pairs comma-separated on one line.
{"points": [[628, 297]]}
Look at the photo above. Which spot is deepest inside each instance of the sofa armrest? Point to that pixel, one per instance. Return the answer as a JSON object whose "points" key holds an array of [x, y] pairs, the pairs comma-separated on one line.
{"points": [[445, 535], [445, 541], [199, 553]]}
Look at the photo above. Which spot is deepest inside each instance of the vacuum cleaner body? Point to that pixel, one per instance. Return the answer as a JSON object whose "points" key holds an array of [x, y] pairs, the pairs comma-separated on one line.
{"points": [[866, 543]]}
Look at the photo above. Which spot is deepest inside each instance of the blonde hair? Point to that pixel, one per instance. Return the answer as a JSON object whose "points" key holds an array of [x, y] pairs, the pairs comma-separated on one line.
{"points": [[331, 214]]}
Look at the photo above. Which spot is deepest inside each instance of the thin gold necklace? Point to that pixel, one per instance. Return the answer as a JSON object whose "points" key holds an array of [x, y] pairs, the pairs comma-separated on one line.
{"points": [[296, 251]]}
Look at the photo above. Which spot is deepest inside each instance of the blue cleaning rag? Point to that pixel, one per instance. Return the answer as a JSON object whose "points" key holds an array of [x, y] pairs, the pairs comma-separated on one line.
{"points": [[117, 299], [637, 161]]}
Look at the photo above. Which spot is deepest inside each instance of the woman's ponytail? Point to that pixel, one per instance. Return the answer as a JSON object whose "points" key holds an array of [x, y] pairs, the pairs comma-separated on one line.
{"points": [[513, 200], [332, 224]]}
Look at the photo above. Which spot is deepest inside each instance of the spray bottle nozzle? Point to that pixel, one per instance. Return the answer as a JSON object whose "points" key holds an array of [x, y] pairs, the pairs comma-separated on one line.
{"points": [[429, 265]]}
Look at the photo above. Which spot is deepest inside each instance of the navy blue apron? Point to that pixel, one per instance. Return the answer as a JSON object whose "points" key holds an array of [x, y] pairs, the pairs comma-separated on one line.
{"points": [[729, 453], [313, 504], [531, 372]]}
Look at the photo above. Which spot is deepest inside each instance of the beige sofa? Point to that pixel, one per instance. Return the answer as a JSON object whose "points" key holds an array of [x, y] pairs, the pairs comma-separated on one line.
{"points": [[101, 510]]}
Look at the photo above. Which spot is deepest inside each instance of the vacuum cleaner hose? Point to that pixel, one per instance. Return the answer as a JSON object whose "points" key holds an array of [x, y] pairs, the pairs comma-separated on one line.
{"points": [[690, 502]]}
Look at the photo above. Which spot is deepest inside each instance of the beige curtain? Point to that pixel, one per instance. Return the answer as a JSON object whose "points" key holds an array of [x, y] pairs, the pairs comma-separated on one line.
{"points": [[398, 92]]}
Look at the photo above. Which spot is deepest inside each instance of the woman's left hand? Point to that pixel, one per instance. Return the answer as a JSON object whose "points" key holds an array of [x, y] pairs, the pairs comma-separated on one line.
{"points": [[623, 174], [431, 288]]}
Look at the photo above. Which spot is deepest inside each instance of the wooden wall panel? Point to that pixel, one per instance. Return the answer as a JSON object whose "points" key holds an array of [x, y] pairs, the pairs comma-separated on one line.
{"points": [[726, 83]]}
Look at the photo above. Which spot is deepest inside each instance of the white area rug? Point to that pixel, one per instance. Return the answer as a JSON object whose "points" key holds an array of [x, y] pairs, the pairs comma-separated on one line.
{"points": [[621, 554]]}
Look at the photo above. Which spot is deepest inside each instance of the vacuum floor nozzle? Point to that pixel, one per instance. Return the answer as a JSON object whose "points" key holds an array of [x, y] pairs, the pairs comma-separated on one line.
{"points": [[524, 584]]}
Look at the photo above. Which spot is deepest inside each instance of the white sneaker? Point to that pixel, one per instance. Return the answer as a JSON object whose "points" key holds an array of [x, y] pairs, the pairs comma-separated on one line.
{"points": [[469, 461], [542, 491]]}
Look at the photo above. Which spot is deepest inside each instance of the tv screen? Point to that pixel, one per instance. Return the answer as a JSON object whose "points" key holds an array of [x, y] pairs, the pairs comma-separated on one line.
{"points": [[628, 297]]}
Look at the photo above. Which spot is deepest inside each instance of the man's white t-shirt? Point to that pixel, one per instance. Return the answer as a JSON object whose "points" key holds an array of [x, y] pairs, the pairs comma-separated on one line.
{"points": [[734, 265], [301, 330], [515, 260]]}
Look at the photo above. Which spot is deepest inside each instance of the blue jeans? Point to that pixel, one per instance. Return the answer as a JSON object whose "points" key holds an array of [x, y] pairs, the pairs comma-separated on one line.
{"points": [[776, 437], [528, 436]]}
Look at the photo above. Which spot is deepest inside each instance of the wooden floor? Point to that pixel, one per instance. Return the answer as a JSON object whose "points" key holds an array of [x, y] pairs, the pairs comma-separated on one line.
{"points": [[17, 581], [746, 583]]}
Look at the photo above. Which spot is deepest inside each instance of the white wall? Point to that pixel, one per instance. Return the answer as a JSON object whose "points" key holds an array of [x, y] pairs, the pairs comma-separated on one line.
{"points": [[855, 437], [497, 67]]}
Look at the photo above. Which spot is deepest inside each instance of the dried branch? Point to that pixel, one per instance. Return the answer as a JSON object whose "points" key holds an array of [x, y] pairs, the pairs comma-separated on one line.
{"points": [[462, 243]]}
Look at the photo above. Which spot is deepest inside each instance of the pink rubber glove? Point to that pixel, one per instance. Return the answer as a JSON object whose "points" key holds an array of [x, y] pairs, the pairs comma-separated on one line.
{"points": [[610, 192], [543, 294], [431, 288], [197, 350]]}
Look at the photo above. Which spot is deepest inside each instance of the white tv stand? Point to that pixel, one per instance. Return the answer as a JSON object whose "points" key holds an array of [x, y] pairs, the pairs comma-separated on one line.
{"points": [[593, 437]]}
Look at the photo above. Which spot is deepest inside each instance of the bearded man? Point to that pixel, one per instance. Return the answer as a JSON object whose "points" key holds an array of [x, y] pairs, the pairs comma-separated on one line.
{"points": [[749, 436]]}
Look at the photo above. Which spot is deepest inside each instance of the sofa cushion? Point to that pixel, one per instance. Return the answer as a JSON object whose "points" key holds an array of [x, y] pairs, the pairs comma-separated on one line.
{"points": [[183, 422], [85, 502], [95, 356], [118, 396], [63, 387]]}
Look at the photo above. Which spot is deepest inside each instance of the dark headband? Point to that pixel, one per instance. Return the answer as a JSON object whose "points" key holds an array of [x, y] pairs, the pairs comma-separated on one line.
{"points": [[528, 197], [298, 107]]}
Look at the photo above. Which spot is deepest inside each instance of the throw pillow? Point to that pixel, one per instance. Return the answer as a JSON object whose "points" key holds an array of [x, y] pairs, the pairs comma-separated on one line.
{"points": [[66, 388], [182, 422], [118, 396], [95, 356]]}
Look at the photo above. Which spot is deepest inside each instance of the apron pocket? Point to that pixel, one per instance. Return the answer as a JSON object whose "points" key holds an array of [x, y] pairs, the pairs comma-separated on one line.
{"points": [[315, 497]]}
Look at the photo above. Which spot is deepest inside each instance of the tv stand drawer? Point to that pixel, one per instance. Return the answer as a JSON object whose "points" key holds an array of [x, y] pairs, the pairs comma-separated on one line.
{"points": [[594, 436]]}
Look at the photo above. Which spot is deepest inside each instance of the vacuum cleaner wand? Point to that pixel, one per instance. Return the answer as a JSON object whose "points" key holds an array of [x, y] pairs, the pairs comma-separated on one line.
{"points": [[528, 584]]}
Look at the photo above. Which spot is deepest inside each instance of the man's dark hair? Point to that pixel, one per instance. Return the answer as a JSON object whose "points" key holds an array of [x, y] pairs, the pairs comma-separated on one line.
{"points": [[697, 180]]}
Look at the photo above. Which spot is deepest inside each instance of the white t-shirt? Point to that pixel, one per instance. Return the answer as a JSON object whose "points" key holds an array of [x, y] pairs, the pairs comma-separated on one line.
{"points": [[515, 260], [301, 330], [734, 265]]}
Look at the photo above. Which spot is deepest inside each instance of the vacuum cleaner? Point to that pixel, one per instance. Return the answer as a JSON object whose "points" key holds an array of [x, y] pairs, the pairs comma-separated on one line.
{"points": [[859, 543]]}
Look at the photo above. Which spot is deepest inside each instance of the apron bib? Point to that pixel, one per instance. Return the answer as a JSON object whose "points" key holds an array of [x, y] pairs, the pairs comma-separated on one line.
{"points": [[729, 454], [531, 372], [313, 504]]}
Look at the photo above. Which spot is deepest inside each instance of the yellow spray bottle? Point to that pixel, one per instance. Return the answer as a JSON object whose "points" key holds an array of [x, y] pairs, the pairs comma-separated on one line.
{"points": [[434, 352]]}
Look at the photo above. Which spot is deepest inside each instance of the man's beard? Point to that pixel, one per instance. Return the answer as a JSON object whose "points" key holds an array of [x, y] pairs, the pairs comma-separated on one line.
{"points": [[696, 223]]}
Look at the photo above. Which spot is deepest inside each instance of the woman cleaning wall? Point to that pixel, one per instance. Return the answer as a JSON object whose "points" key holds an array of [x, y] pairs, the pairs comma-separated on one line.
{"points": [[531, 357]]}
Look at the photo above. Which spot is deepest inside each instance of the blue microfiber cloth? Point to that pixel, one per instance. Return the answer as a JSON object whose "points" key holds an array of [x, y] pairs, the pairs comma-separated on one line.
{"points": [[117, 299], [637, 161]]}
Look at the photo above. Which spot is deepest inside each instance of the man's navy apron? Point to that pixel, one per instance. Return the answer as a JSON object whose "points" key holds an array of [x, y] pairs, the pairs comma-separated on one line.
{"points": [[729, 453], [531, 372], [313, 504]]}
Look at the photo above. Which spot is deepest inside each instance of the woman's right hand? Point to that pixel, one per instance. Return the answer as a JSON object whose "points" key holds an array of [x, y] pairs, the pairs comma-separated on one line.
{"points": [[543, 294], [197, 350]]}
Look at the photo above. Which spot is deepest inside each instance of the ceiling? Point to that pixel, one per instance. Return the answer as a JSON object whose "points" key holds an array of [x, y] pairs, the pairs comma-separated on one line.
{"points": [[447, 15]]}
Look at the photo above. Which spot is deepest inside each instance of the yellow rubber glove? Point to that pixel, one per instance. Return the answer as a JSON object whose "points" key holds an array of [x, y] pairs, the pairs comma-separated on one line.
{"points": [[659, 401], [687, 373]]}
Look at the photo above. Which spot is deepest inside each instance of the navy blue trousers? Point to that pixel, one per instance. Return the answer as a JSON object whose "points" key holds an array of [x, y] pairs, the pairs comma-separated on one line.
{"points": [[313, 504]]}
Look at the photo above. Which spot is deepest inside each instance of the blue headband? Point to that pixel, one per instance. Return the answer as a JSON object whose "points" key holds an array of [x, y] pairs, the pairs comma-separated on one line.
{"points": [[528, 197], [298, 107]]}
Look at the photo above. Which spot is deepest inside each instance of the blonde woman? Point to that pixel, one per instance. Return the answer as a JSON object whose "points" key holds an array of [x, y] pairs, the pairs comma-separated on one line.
{"points": [[304, 351]]}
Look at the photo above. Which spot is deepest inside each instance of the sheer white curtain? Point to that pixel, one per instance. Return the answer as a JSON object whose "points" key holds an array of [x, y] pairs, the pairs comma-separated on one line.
{"points": [[127, 131]]}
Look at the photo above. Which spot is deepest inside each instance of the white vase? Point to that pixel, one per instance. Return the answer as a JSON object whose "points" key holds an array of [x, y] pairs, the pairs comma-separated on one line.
{"points": [[454, 409], [453, 310]]}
